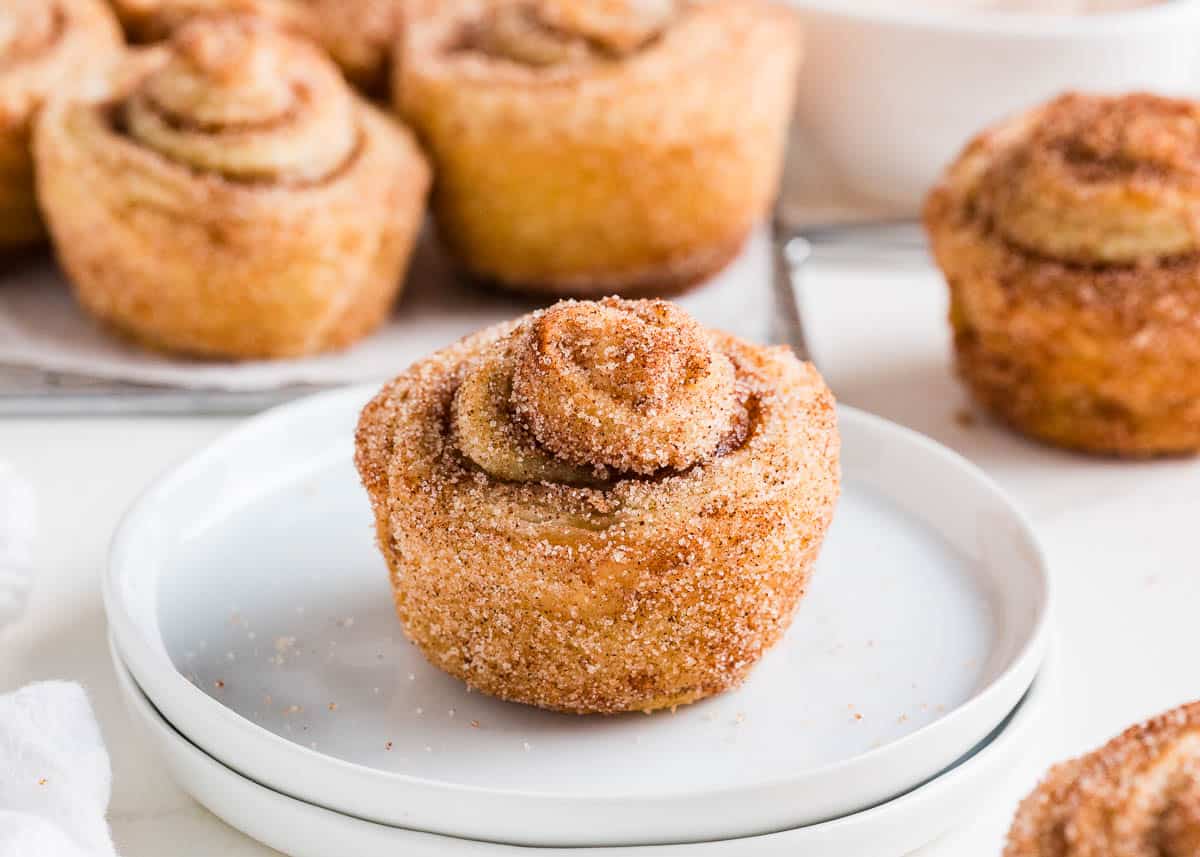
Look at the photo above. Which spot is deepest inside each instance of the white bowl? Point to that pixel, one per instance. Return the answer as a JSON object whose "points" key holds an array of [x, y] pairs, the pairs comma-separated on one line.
{"points": [[891, 829], [246, 595], [890, 92]]}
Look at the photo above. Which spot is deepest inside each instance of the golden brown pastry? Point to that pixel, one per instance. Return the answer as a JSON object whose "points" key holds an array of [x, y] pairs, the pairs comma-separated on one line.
{"points": [[358, 34], [588, 147], [154, 20], [236, 199], [600, 507], [1070, 239], [1138, 796], [46, 47]]}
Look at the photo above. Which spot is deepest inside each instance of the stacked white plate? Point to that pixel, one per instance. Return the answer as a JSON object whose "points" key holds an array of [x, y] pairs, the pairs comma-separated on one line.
{"points": [[252, 624]]}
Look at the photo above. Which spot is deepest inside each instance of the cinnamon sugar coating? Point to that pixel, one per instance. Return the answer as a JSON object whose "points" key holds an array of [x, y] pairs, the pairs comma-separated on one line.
{"points": [[592, 588], [1068, 237], [589, 147], [1138, 796], [235, 199], [632, 385], [47, 48]]}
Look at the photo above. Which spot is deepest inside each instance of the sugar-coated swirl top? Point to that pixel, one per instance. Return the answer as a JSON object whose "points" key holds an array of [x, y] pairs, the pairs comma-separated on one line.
{"points": [[1092, 179], [630, 385], [585, 390], [238, 97]]}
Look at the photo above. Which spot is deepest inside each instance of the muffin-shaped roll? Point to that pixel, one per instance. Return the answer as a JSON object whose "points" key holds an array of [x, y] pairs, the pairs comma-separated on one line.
{"points": [[590, 146], [1138, 796], [235, 200], [1070, 239], [46, 47], [600, 507]]}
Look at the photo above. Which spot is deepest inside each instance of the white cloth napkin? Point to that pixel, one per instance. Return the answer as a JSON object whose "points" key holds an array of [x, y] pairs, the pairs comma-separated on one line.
{"points": [[55, 777], [41, 327], [16, 542]]}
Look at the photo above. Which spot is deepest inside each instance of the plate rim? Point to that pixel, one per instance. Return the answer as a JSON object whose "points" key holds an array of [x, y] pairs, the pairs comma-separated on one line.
{"points": [[1006, 739], [157, 675]]}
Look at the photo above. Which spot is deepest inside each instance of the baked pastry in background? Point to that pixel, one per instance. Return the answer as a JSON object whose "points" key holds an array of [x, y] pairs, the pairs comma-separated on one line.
{"points": [[46, 47], [235, 199], [361, 36], [358, 34], [588, 147], [600, 507], [1138, 796], [1069, 237], [155, 20]]}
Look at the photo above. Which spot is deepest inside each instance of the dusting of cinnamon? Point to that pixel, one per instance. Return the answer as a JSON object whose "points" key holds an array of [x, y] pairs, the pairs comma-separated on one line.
{"points": [[1138, 796], [1070, 240], [632, 385], [613, 589]]}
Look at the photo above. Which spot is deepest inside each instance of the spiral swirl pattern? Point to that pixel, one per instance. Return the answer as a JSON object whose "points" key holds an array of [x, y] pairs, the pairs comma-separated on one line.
{"points": [[1138, 796], [631, 385], [487, 433], [238, 98], [1098, 180], [47, 47], [587, 389]]}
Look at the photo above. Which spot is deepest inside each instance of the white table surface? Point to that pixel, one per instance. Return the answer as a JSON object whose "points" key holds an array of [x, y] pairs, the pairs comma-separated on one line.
{"points": [[1120, 537]]}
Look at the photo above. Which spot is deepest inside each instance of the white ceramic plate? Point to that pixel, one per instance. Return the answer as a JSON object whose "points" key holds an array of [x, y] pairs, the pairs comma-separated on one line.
{"points": [[889, 830], [247, 598]]}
